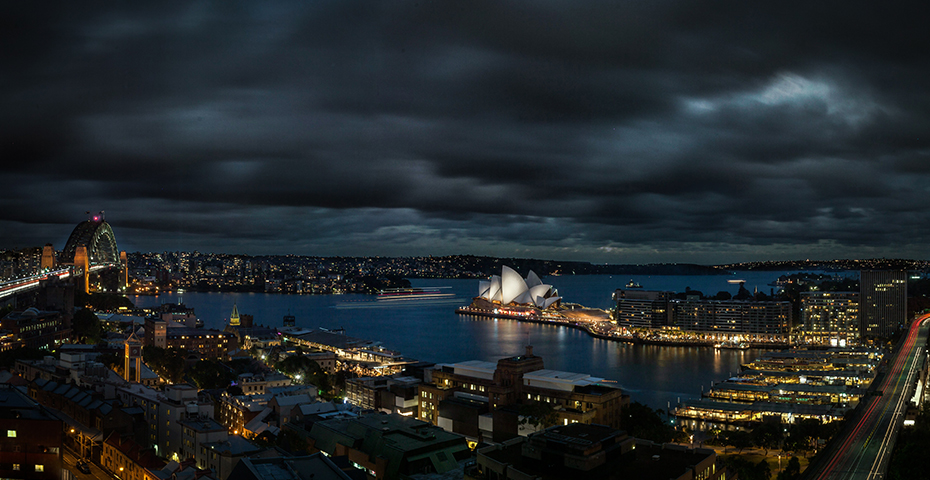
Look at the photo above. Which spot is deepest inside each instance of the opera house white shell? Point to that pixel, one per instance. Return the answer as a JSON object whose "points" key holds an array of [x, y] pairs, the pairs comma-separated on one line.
{"points": [[511, 289]]}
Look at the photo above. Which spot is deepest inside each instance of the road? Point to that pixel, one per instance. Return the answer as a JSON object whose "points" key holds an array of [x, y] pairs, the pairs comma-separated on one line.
{"points": [[865, 445], [69, 460]]}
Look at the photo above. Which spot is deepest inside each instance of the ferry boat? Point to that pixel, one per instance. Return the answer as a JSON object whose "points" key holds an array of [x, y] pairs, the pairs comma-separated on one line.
{"points": [[732, 346], [419, 293], [633, 284]]}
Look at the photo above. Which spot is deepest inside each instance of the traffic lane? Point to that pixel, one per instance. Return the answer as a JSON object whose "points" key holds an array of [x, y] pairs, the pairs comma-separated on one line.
{"points": [[858, 447], [69, 461]]}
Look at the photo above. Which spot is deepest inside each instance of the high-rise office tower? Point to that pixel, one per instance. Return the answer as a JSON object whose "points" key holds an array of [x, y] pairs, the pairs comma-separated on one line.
{"points": [[883, 301], [830, 315]]}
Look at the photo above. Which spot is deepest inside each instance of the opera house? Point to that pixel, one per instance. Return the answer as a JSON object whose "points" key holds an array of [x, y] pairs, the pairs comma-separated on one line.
{"points": [[511, 290]]}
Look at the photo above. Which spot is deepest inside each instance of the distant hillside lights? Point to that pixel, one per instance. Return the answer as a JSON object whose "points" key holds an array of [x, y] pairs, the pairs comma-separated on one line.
{"points": [[511, 289]]}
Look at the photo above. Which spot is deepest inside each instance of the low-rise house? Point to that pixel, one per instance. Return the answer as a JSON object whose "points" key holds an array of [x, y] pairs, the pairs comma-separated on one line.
{"points": [[124, 457], [30, 438]]}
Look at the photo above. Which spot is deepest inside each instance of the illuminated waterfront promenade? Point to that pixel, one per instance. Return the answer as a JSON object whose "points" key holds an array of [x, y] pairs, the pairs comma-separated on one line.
{"points": [[597, 323]]}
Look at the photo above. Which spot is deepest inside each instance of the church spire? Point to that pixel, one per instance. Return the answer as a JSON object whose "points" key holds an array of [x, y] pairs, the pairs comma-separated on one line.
{"points": [[234, 317]]}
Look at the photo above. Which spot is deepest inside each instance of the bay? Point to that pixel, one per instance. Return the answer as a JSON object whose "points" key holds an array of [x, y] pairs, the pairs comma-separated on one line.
{"points": [[430, 330]]}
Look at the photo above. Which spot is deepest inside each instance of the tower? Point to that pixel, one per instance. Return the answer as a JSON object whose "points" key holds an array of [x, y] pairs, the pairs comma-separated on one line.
{"points": [[289, 320], [48, 257], [234, 317], [124, 266], [133, 358], [81, 260], [883, 301]]}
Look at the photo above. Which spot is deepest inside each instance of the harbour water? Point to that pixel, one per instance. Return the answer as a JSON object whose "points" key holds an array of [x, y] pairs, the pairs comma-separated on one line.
{"points": [[429, 330]]}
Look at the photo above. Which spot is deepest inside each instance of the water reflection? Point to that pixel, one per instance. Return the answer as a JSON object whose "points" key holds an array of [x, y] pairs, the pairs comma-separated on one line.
{"points": [[654, 375]]}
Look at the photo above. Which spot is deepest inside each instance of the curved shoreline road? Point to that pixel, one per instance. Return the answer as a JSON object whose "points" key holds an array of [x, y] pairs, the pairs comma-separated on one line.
{"points": [[864, 450]]}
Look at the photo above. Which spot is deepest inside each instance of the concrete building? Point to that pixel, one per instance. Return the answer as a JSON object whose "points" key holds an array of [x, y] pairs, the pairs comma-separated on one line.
{"points": [[316, 467], [176, 328], [196, 433], [392, 446], [30, 438], [732, 317], [253, 384], [164, 410], [642, 308], [482, 399], [89, 415], [222, 456], [883, 302], [592, 452], [386, 394], [127, 459], [826, 315], [36, 329], [234, 412]]}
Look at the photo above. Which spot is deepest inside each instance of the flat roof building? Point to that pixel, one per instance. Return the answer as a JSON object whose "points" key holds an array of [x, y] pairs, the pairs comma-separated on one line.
{"points": [[883, 297]]}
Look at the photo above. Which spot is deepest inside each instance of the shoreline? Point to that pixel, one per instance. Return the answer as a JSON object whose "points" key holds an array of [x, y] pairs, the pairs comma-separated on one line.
{"points": [[631, 340]]}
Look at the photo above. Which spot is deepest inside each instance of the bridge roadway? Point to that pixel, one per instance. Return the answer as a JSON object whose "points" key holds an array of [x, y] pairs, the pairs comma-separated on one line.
{"points": [[18, 285], [863, 449]]}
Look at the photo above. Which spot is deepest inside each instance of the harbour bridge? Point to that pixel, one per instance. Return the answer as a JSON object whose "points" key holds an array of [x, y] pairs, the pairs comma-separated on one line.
{"points": [[90, 249]]}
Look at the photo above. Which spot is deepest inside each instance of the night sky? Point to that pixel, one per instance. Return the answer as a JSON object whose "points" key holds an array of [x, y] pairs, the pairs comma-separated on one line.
{"points": [[620, 132]]}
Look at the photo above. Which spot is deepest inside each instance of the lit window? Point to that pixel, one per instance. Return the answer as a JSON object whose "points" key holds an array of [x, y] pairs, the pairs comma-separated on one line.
{"points": [[11, 433], [40, 468], [16, 466]]}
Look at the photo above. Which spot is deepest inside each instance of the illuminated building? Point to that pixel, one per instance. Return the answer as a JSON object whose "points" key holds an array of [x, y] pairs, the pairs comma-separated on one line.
{"points": [[30, 438], [208, 343], [127, 459], [36, 329], [732, 316], [883, 302], [830, 314], [386, 394], [511, 289], [642, 308], [474, 398], [132, 359], [48, 257]]}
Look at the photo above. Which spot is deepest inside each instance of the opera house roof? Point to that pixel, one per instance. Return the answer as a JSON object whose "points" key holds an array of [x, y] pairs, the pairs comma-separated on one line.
{"points": [[509, 288]]}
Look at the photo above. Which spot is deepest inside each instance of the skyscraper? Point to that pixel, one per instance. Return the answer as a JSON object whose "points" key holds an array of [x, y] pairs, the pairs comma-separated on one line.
{"points": [[831, 315], [883, 301]]}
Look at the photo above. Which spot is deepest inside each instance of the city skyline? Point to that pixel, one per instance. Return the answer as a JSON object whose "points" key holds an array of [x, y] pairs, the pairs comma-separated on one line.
{"points": [[598, 132]]}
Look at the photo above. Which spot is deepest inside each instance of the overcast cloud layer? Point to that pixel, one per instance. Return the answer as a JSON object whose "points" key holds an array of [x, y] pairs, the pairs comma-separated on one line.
{"points": [[618, 132]]}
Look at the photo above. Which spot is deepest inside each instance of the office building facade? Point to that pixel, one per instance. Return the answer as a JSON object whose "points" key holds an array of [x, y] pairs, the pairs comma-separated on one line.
{"points": [[883, 304]]}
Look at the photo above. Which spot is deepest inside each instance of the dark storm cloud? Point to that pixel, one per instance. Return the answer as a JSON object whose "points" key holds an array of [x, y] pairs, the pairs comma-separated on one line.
{"points": [[605, 131]]}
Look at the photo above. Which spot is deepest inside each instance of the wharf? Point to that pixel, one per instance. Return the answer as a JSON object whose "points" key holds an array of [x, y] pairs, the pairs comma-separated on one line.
{"points": [[590, 328]]}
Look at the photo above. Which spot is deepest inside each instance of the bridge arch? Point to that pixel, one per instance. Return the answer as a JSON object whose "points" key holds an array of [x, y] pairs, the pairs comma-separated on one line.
{"points": [[98, 237]]}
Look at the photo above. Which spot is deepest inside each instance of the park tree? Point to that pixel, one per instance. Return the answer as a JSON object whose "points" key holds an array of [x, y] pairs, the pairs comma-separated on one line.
{"points": [[86, 326], [210, 374], [792, 471], [640, 421], [739, 440], [539, 415], [166, 363], [767, 435], [747, 470]]}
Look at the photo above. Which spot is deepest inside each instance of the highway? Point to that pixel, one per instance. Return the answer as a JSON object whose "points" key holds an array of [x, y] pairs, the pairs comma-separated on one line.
{"points": [[864, 447], [18, 285]]}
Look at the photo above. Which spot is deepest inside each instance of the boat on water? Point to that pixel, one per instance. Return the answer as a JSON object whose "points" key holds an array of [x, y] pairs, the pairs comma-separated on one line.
{"points": [[633, 284], [417, 293], [732, 346]]}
